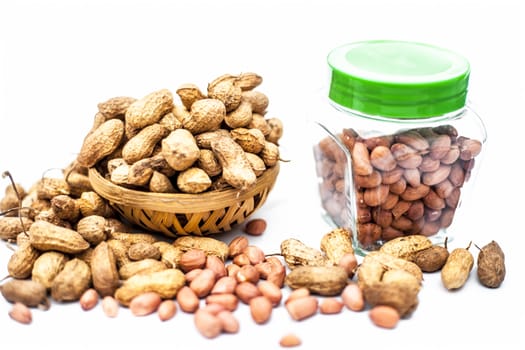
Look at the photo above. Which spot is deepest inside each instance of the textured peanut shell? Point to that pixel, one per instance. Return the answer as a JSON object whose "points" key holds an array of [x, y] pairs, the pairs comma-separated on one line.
{"points": [[115, 106], [143, 250], [104, 270], [45, 236], [166, 283], [337, 243], [322, 280], [227, 92], [49, 187], [236, 168], [240, 117], [22, 260], [140, 172], [72, 281], [256, 163], [11, 226], [92, 228], [47, 266], [193, 180], [101, 142], [180, 149], [170, 254], [160, 183], [210, 245], [398, 288], [248, 81], [389, 262], [65, 207], [131, 238], [149, 109], [276, 130], [296, 253], [491, 265], [205, 115], [405, 247], [251, 140], [25, 291], [188, 94], [257, 99], [170, 122], [209, 163], [141, 267], [142, 144], [91, 203], [457, 268], [120, 250], [204, 139], [431, 259], [270, 154], [258, 121]]}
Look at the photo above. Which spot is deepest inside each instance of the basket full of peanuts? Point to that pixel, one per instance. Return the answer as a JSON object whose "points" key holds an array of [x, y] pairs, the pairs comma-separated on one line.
{"points": [[195, 166]]}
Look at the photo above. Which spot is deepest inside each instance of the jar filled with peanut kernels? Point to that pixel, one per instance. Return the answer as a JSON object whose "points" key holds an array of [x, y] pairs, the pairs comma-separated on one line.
{"points": [[397, 144]]}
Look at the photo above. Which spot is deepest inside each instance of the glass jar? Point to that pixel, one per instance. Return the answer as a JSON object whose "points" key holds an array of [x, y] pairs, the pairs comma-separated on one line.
{"points": [[397, 144]]}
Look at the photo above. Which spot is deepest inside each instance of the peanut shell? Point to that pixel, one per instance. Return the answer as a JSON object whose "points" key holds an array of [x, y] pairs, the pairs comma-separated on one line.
{"points": [[322, 280], [166, 283], [45, 236], [72, 281]]}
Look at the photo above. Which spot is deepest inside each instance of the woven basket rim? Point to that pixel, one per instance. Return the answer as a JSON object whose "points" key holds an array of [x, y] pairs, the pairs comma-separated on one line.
{"points": [[179, 202]]}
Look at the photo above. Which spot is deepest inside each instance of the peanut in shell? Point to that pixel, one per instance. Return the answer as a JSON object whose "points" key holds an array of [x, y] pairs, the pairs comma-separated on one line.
{"points": [[149, 109], [25, 291], [101, 142], [322, 280], [457, 268], [210, 245], [337, 243], [22, 260], [491, 265], [104, 270], [47, 266], [45, 236], [390, 262], [431, 259], [166, 283], [72, 281], [11, 226], [141, 267], [405, 247], [398, 289], [296, 253]]}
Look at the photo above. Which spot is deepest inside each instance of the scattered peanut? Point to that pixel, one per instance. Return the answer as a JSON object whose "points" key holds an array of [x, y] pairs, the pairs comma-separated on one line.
{"points": [[145, 304], [89, 299], [289, 340], [167, 310], [384, 316], [21, 313], [491, 265], [255, 227], [457, 268]]}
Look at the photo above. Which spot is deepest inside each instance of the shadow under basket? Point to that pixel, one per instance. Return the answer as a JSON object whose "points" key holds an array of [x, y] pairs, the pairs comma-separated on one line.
{"points": [[178, 214]]}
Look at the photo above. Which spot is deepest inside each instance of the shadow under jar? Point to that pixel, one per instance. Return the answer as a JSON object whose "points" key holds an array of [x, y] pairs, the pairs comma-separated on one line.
{"points": [[396, 143]]}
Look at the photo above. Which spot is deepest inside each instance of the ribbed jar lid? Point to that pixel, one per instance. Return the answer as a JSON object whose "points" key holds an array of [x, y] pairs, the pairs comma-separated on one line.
{"points": [[398, 79]]}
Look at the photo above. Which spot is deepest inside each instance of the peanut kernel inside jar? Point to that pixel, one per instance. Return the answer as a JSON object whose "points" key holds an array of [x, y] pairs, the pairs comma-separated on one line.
{"points": [[409, 182]]}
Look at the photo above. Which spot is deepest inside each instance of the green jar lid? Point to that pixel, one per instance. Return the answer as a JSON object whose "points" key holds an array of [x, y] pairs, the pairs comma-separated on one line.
{"points": [[398, 79]]}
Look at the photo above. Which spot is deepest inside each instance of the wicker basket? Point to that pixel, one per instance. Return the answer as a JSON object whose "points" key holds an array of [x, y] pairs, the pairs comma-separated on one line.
{"points": [[176, 214]]}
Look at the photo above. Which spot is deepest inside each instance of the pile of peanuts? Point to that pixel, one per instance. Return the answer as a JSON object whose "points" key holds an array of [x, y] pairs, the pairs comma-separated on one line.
{"points": [[71, 246], [207, 140], [405, 183]]}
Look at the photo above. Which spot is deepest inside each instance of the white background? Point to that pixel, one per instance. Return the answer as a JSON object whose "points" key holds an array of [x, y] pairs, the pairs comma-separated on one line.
{"points": [[58, 59]]}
